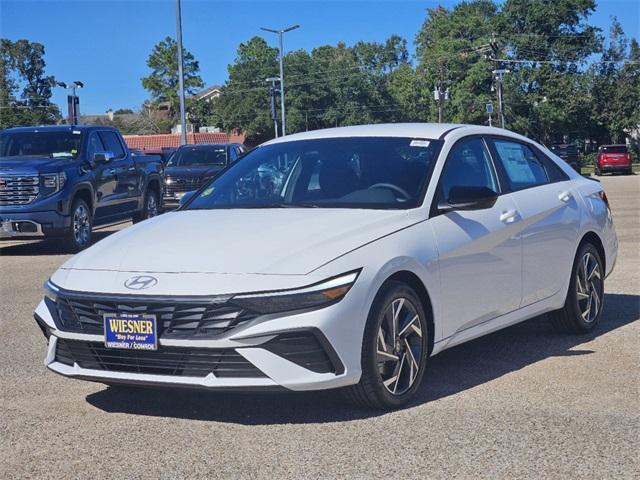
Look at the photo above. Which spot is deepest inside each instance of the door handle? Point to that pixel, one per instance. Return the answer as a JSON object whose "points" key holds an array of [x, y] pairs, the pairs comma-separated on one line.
{"points": [[565, 196], [132, 168], [508, 216]]}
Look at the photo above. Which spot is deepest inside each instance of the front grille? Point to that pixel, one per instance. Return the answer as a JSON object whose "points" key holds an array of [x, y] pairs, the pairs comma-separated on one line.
{"points": [[176, 361], [175, 319], [18, 190], [182, 185]]}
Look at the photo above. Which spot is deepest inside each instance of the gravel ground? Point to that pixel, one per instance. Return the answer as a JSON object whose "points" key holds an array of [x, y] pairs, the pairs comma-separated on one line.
{"points": [[523, 402]]}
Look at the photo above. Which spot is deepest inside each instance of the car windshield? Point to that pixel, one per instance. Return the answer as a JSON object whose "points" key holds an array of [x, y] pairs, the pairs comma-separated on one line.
{"points": [[352, 172], [64, 144], [198, 156], [614, 149]]}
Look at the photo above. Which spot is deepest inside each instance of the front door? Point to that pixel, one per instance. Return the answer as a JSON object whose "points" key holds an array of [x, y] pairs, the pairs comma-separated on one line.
{"points": [[480, 251]]}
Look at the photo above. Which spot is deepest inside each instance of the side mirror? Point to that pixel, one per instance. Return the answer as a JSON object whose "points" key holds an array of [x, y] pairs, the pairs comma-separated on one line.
{"points": [[468, 198], [100, 158], [186, 197]]}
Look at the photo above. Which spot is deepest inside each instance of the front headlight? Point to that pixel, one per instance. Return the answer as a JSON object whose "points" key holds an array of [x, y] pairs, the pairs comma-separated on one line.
{"points": [[51, 291], [317, 295], [54, 182]]}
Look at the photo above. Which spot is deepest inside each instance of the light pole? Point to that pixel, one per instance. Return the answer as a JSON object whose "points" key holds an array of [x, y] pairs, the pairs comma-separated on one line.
{"points": [[272, 92], [279, 33], [72, 101], [183, 116]]}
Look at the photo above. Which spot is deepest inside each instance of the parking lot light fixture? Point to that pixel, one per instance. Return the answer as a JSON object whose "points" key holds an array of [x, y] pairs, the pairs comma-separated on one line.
{"points": [[280, 33]]}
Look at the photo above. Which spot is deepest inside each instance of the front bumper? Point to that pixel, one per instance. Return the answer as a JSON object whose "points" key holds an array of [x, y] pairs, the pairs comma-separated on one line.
{"points": [[252, 348], [32, 224]]}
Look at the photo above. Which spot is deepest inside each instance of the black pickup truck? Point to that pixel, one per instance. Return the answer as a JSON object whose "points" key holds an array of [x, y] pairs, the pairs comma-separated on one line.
{"points": [[61, 181]]}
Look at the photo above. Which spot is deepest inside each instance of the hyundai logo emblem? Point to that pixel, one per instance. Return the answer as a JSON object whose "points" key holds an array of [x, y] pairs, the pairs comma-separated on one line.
{"points": [[140, 282]]}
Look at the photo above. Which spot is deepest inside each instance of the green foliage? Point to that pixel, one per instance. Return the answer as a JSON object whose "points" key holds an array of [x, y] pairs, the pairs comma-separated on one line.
{"points": [[123, 111], [564, 84], [163, 80], [25, 90]]}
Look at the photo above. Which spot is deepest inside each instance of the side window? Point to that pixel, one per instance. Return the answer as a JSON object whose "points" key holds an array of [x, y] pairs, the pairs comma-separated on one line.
{"points": [[468, 165], [554, 172], [522, 167], [94, 145], [233, 156], [112, 143]]}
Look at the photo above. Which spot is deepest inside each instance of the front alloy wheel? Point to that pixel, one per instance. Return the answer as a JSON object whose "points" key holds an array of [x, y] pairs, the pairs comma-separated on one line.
{"points": [[78, 236], [399, 346], [394, 349]]}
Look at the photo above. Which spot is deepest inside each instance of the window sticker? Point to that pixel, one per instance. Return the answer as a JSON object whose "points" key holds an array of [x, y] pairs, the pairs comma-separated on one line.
{"points": [[420, 143]]}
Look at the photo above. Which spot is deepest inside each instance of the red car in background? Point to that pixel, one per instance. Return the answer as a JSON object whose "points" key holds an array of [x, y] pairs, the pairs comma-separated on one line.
{"points": [[613, 158]]}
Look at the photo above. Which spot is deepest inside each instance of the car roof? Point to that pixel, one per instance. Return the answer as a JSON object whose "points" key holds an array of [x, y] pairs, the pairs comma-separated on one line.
{"points": [[614, 145], [407, 130], [59, 128], [204, 145]]}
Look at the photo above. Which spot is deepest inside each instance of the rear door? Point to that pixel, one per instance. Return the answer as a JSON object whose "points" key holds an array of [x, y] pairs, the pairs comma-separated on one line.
{"points": [[480, 251], [547, 203]]}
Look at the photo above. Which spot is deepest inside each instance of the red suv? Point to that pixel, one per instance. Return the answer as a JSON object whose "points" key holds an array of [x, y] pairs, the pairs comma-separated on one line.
{"points": [[613, 158]]}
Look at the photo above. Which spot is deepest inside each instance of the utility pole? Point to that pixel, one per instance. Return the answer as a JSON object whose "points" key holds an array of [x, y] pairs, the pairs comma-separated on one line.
{"points": [[183, 116], [498, 78], [272, 93], [497, 75], [280, 33], [440, 94]]}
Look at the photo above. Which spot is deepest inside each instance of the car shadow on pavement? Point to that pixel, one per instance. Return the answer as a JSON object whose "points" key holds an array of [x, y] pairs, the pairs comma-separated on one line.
{"points": [[453, 371], [51, 246]]}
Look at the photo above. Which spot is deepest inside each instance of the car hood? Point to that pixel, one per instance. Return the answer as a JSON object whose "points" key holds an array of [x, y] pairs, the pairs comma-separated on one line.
{"points": [[193, 171], [31, 165], [288, 241]]}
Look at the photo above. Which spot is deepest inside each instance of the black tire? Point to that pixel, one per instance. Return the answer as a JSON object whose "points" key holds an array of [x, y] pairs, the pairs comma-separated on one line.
{"points": [[371, 391], [586, 293], [151, 206], [78, 237], [597, 172]]}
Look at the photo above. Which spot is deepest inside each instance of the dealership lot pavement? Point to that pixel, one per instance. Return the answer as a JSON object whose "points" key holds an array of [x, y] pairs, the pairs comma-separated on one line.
{"points": [[523, 402]]}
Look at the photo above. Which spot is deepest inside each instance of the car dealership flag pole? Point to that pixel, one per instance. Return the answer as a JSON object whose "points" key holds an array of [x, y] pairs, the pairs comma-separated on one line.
{"points": [[280, 33], [183, 122]]}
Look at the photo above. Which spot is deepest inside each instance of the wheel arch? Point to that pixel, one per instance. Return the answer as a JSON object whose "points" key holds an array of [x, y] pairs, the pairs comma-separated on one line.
{"points": [[409, 278], [593, 238], [84, 193]]}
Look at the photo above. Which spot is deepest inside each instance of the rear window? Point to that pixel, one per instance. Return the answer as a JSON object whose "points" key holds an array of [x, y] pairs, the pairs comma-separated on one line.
{"points": [[613, 149]]}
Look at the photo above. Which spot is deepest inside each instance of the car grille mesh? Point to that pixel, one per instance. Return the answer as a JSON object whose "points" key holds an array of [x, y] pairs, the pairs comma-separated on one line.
{"points": [[182, 185], [176, 361], [176, 319], [19, 190]]}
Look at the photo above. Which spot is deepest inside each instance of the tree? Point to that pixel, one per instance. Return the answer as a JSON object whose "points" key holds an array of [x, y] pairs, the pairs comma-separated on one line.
{"points": [[451, 55], [22, 72], [243, 103], [163, 81], [123, 111]]}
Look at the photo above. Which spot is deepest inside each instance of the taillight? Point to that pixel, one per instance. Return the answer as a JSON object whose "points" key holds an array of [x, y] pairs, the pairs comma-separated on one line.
{"points": [[603, 197]]}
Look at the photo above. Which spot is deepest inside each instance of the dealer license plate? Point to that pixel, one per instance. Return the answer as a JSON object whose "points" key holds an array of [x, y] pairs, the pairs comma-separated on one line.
{"points": [[130, 331]]}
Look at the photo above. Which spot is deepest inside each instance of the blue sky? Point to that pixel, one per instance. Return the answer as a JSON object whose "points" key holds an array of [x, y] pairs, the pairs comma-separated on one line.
{"points": [[105, 43]]}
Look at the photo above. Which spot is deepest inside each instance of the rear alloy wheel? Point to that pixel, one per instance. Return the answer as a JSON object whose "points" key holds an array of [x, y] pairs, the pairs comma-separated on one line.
{"points": [[394, 351], [79, 234], [150, 209], [585, 299]]}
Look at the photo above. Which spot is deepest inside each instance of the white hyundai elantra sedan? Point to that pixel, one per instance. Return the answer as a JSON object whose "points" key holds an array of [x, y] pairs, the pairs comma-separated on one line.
{"points": [[339, 258]]}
